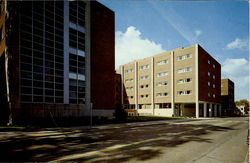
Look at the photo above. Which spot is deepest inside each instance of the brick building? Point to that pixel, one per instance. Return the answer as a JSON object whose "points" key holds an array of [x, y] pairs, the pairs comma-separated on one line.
{"points": [[51, 53], [227, 97], [187, 78]]}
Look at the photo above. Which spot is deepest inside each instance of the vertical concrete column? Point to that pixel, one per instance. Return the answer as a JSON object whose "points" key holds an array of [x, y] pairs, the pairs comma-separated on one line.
{"points": [[66, 52], [196, 82], [136, 85], [122, 83], [215, 110], [220, 110], [87, 53], [205, 110], [210, 110], [172, 83], [152, 86]]}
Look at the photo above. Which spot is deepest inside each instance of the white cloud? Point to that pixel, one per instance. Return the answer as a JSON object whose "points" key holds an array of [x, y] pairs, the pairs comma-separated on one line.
{"points": [[131, 46], [198, 33], [238, 71], [241, 44]]}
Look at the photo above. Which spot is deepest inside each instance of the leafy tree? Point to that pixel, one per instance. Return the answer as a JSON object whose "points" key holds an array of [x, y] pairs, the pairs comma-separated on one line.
{"points": [[243, 102]]}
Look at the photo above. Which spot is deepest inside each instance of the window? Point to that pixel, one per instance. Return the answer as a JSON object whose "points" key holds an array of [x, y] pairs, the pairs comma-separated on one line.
{"points": [[188, 80], [179, 58], [129, 70], [162, 74], [213, 65], [129, 88], [213, 95], [213, 76], [180, 81], [208, 61], [144, 67], [129, 80], [189, 56], [187, 92], [208, 94], [162, 62], [208, 73], [213, 85], [144, 77], [222, 85], [184, 57], [208, 83], [164, 94], [187, 69], [180, 92], [162, 83]]}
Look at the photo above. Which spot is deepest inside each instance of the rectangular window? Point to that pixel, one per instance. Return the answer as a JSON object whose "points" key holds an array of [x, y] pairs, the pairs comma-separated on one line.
{"points": [[208, 61], [144, 67], [129, 70], [208, 83], [208, 73], [162, 62], [162, 74]]}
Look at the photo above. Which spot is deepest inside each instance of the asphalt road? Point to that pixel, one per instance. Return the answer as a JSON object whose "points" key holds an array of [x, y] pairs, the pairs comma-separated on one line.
{"points": [[204, 140]]}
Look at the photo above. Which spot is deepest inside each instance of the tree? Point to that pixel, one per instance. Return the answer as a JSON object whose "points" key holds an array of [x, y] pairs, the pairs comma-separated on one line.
{"points": [[243, 102]]}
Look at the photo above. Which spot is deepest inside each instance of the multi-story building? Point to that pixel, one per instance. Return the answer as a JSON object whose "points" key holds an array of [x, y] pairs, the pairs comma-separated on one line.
{"points": [[51, 54], [181, 82], [227, 97]]}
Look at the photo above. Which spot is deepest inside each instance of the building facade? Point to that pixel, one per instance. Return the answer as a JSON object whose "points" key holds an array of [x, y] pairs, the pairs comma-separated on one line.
{"points": [[51, 55], [227, 97], [181, 82]]}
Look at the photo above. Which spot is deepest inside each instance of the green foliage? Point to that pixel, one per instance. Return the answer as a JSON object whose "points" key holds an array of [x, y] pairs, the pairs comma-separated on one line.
{"points": [[243, 102]]}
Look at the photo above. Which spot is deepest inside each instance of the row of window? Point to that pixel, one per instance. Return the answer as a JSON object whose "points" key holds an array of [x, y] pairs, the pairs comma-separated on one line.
{"points": [[144, 86], [41, 99], [208, 74], [186, 80], [209, 84], [144, 77], [162, 94], [209, 95], [129, 70], [187, 69], [209, 62], [162, 62], [187, 92], [164, 83], [180, 58], [144, 67], [162, 74], [129, 88]]}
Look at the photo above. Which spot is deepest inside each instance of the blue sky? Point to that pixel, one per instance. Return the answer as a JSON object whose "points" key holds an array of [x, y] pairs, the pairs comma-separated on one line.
{"points": [[145, 28]]}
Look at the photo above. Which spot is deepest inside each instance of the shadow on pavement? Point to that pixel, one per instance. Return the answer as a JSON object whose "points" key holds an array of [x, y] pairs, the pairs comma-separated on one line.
{"points": [[139, 143]]}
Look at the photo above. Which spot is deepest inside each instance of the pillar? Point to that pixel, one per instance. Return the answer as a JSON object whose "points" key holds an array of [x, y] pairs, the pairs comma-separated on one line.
{"points": [[152, 86], [196, 82], [210, 110], [205, 110], [136, 86], [215, 110], [172, 83]]}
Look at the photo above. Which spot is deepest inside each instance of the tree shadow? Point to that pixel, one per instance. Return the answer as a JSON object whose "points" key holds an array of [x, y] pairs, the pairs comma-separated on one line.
{"points": [[139, 142]]}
